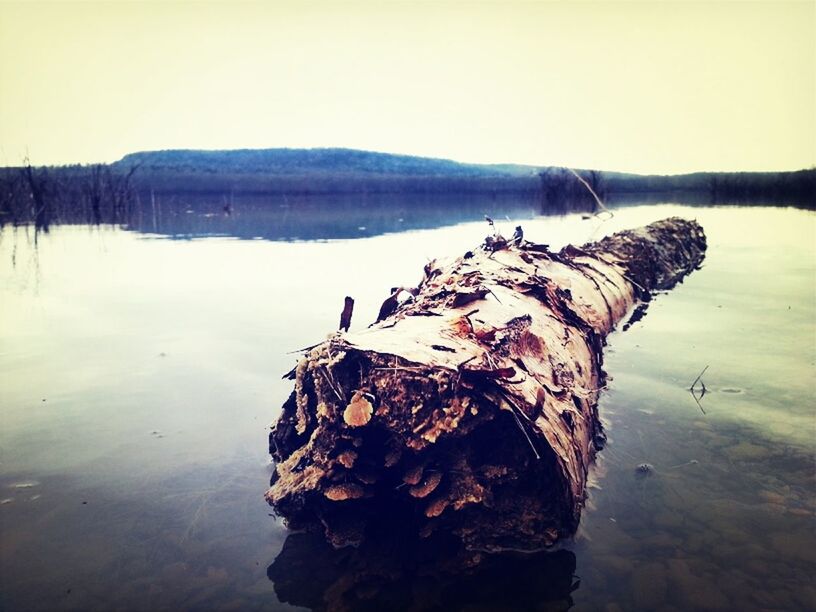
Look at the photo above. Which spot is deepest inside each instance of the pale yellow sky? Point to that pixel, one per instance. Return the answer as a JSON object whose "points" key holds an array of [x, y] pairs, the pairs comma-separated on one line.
{"points": [[636, 86]]}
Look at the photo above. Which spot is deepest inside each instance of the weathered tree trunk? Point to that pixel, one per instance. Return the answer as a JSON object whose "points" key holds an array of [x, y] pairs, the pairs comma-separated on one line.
{"points": [[471, 409]]}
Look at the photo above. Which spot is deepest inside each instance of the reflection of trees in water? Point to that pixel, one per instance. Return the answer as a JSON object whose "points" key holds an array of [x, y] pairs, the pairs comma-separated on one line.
{"points": [[103, 195], [286, 218], [391, 572], [116, 195], [42, 196], [323, 217]]}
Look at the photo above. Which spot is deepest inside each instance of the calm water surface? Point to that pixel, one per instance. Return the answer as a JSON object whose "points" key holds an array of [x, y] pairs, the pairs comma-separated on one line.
{"points": [[139, 374]]}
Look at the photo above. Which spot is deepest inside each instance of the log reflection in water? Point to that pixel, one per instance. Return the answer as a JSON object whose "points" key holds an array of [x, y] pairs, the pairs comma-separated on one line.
{"points": [[395, 572]]}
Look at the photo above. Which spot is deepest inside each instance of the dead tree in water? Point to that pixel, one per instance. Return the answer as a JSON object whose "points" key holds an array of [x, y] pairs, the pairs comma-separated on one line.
{"points": [[120, 192], [94, 191], [472, 408], [10, 212], [564, 189], [38, 184]]}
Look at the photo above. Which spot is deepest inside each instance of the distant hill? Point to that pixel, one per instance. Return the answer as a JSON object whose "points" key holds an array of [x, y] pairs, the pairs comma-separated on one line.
{"points": [[338, 170], [302, 162], [111, 192]]}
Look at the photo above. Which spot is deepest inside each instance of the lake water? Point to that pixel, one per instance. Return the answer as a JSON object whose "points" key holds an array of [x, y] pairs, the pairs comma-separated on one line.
{"points": [[139, 373]]}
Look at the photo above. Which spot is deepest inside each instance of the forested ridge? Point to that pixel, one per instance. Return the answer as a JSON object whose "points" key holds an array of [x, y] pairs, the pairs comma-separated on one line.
{"points": [[105, 192]]}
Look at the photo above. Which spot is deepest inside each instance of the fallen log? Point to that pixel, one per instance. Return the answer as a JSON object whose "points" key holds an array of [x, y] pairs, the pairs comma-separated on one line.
{"points": [[471, 409]]}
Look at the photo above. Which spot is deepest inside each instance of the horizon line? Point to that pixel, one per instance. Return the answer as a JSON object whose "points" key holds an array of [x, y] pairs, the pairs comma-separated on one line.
{"points": [[395, 154]]}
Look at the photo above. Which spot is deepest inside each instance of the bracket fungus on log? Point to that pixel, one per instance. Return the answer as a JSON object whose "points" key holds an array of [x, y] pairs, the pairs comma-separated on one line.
{"points": [[471, 409]]}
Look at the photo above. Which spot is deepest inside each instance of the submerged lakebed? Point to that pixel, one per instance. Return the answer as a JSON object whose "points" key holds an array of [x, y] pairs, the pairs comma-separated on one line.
{"points": [[140, 368]]}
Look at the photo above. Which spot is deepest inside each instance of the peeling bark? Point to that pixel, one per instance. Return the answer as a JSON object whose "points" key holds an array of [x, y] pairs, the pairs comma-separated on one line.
{"points": [[472, 405]]}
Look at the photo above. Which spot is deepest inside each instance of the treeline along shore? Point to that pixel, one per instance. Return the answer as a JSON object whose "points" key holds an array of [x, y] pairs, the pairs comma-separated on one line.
{"points": [[108, 193]]}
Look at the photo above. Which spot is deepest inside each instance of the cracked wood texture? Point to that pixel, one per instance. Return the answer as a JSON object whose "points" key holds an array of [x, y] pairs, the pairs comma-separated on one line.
{"points": [[472, 408]]}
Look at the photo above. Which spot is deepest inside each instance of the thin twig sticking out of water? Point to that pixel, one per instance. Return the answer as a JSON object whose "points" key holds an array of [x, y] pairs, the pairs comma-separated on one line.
{"points": [[601, 205], [692, 389], [697, 399], [696, 380]]}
